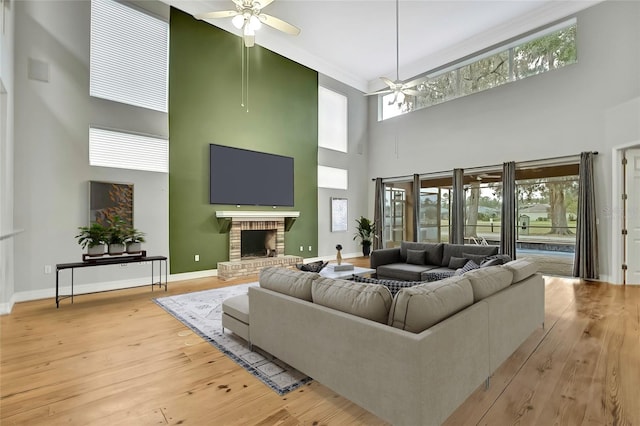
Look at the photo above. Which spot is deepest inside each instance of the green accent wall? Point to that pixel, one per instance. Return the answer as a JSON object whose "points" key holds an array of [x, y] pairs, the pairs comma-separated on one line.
{"points": [[205, 92]]}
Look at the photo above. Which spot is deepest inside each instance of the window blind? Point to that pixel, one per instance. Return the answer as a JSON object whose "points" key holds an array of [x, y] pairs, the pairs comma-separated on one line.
{"points": [[129, 55], [108, 148]]}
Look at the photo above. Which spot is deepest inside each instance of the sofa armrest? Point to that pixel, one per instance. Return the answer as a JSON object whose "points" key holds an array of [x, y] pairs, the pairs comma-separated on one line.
{"points": [[385, 257]]}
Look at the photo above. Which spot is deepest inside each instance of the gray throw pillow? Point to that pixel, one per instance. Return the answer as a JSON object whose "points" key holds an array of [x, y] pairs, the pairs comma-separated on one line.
{"points": [[457, 262], [415, 257], [477, 258], [469, 266]]}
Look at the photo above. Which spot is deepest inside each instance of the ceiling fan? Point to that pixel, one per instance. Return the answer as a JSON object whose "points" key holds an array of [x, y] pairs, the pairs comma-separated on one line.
{"points": [[397, 87], [248, 17]]}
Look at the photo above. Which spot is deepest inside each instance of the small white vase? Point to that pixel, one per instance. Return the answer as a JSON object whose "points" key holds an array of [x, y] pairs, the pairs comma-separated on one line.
{"points": [[133, 248], [116, 249], [95, 251]]}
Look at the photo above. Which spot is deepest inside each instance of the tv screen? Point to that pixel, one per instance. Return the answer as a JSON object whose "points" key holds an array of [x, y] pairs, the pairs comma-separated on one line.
{"points": [[244, 177]]}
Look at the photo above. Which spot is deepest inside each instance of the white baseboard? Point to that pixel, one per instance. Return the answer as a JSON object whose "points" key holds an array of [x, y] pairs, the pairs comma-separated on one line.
{"points": [[50, 293], [5, 308], [193, 275]]}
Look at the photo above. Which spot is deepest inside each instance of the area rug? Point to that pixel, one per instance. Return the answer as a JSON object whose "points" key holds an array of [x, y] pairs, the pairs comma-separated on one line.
{"points": [[202, 312]]}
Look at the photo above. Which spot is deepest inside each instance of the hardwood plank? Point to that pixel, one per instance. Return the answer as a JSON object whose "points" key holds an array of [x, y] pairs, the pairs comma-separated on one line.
{"points": [[117, 358]]}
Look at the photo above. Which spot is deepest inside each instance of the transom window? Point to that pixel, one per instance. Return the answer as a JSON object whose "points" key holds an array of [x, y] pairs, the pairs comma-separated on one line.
{"points": [[546, 50]]}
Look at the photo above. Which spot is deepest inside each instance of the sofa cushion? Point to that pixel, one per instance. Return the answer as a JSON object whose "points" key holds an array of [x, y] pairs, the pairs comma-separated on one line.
{"points": [[433, 251], [287, 281], [417, 308], [456, 250], [416, 257], [402, 271], [487, 281], [457, 262], [394, 286], [370, 301], [521, 268]]}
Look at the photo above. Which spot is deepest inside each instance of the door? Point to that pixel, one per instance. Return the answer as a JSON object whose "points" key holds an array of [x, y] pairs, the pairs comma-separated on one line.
{"points": [[632, 215]]}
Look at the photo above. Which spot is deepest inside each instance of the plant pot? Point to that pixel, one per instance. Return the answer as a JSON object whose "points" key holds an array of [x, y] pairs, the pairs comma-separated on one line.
{"points": [[134, 248], [366, 249], [116, 249], [95, 251]]}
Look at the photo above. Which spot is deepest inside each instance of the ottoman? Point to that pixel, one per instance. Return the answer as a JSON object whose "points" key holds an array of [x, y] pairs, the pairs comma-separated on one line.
{"points": [[235, 315]]}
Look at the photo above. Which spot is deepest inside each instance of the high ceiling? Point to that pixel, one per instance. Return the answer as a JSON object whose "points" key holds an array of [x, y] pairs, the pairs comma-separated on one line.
{"points": [[355, 41]]}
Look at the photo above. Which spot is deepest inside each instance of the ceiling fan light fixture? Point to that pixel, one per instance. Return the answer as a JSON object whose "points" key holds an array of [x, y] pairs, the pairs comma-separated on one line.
{"points": [[238, 21], [255, 23]]}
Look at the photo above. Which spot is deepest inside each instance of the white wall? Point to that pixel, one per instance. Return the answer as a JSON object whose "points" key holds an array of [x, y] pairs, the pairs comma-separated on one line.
{"points": [[589, 106], [51, 154], [6, 156], [355, 161]]}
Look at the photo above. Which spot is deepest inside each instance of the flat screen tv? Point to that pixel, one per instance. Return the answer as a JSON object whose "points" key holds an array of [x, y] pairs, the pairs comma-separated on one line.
{"points": [[243, 177]]}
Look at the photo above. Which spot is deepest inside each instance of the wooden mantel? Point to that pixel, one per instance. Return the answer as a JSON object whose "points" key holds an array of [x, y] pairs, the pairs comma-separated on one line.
{"points": [[226, 217]]}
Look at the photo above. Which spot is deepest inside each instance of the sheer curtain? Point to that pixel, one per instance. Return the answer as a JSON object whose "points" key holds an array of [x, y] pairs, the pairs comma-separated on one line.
{"points": [[508, 221], [457, 208], [378, 213], [585, 264], [416, 206]]}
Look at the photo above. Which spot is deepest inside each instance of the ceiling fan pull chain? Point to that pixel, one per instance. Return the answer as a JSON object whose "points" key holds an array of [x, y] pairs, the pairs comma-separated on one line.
{"points": [[242, 48], [248, 53]]}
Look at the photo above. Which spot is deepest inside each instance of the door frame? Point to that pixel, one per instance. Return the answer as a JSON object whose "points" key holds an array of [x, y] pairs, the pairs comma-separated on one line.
{"points": [[617, 222]]}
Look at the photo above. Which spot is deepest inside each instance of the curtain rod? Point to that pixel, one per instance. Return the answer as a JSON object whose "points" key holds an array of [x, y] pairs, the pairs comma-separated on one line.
{"points": [[518, 163]]}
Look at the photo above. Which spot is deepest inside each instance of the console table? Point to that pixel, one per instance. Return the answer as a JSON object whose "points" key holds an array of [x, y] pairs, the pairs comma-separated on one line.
{"points": [[113, 260]]}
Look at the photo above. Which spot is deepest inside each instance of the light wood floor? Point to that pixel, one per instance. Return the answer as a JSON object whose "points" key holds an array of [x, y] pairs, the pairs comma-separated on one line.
{"points": [[118, 359]]}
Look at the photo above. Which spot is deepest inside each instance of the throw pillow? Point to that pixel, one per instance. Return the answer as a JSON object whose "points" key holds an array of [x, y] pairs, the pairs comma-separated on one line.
{"points": [[477, 258], [393, 285], [312, 267], [457, 262], [495, 259], [469, 266], [415, 257]]}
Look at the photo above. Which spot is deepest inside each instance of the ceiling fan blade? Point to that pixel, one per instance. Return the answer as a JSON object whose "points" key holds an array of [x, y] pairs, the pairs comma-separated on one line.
{"points": [[388, 82], [413, 92], [215, 15], [379, 92], [415, 82], [279, 24]]}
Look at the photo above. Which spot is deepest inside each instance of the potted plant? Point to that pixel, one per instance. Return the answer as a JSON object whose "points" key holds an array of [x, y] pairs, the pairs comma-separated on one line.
{"points": [[366, 233], [93, 238], [116, 235], [134, 239]]}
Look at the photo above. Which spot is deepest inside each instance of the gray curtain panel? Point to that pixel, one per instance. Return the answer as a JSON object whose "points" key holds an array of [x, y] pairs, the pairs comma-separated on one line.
{"points": [[585, 264], [508, 222], [378, 213], [416, 206], [457, 208]]}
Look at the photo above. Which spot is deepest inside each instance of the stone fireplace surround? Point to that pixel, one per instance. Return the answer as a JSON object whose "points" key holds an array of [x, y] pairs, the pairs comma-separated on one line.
{"points": [[235, 222]]}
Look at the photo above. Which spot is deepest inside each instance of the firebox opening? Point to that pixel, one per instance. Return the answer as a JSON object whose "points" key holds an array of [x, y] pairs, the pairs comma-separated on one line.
{"points": [[258, 243]]}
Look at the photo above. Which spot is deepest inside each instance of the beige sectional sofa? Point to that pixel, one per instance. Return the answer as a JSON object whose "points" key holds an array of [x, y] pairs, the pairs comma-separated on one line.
{"points": [[411, 359]]}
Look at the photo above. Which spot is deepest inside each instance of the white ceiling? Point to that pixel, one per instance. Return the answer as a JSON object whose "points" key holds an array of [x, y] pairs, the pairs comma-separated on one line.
{"points": [[355, 41]]}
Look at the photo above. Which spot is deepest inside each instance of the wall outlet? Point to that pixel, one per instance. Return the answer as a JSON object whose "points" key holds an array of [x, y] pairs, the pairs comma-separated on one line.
{"points": [[309, 248], [301, 248], [196, 258], [47, 269]]}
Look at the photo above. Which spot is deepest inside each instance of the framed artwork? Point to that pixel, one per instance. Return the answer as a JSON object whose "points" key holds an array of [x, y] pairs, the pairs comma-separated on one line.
{"points": [[110, 199], [339, 207]]}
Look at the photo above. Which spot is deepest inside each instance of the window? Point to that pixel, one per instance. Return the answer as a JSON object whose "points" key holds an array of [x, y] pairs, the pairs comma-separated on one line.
{"points": [[332, 120], [108, 148], [546, 50], [331, 177], [129, 55]]}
